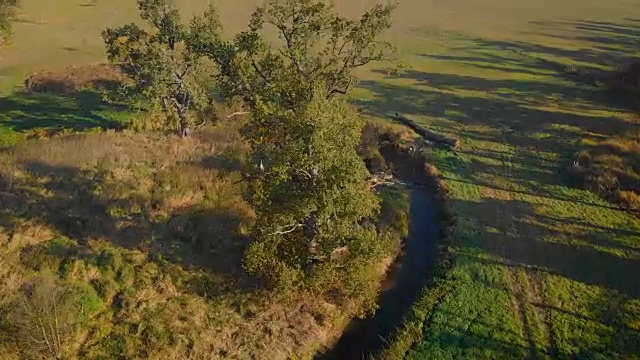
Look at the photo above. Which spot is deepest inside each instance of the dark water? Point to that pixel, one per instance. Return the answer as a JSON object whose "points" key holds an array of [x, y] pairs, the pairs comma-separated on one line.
{"points": [[405, 281]]}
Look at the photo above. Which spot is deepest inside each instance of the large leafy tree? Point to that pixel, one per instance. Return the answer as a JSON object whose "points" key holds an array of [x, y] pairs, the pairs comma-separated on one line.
{"points": [[308, 185], [160, 61], [317, 47], [8, 10]]}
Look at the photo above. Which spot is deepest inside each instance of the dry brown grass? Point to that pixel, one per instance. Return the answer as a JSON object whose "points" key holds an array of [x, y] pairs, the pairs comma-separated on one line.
{"points": [[611, 168], [157, 226], [75, 78]]}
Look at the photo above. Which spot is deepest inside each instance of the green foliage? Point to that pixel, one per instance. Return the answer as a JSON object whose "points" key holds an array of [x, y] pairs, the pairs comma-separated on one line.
{"points": [[308, 184], [7, 16], [394, 210], [319, 52], [48, 257], [312, 197], [86, 301], [161, 62]]}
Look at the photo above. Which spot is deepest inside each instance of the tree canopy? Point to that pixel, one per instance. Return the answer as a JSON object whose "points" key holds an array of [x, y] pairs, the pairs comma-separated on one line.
{"points": [[160, 61], [318, 52], [308, 184], [8, 10]]}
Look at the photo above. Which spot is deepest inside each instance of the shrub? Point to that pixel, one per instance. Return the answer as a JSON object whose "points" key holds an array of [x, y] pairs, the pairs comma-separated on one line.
{"points": [[86, 301], [42, 319], [106, 288], [394, 210], [72, 79], [631, 199], [610, 168]]}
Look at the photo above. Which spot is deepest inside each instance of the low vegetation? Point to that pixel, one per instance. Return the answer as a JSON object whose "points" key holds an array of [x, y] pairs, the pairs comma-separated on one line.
{"points": [[610, 166], [75, 79], [136, 244], [144, 236], [8, 10], [254, 238], [541, 266]]}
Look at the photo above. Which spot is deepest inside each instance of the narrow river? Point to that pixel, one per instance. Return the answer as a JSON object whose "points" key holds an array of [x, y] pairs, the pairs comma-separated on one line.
{"points": [[403, 285]]}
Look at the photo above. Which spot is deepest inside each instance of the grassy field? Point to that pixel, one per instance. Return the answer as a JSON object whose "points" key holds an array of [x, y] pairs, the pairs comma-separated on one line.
{"points": [[543, 270]]}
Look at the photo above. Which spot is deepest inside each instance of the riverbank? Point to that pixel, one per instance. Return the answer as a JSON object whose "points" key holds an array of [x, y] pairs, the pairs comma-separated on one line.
{"points": [[420, 258]]}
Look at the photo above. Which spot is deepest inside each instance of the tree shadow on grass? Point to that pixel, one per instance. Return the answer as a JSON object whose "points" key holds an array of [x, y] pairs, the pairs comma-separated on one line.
{"points": [[523, 131], [85, 205], [517, 104], [578, 254], [609, 42], [24, 111], [466, 343]]}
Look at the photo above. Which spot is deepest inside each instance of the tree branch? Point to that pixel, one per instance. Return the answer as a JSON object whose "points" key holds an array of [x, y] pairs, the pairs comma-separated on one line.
{"points": [[382, 180], [305, 173], [238, 113], [257, 69], [289, 229]]}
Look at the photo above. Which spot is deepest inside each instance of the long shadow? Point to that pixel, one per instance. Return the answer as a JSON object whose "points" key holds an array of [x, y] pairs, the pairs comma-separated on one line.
{"points": [[536, 194], [486, 61], [23, 111], [519, 107], [466, 344], [581, 259], [72, 201], [611, 312], [580, 262], [514, 111]]}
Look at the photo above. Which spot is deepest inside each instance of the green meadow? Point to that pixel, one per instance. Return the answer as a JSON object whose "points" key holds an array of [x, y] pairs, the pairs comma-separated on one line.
{"points": [[544, 270]]}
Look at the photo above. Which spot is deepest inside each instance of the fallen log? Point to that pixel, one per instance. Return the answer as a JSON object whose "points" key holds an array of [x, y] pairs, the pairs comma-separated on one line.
{"points": [[426, 133]]}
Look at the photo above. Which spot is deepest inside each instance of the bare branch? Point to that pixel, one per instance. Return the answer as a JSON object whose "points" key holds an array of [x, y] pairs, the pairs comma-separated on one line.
{"points": [[238, 113], [383, 180], [305, 173], [375, 184], [287, 229], [260, 72]]}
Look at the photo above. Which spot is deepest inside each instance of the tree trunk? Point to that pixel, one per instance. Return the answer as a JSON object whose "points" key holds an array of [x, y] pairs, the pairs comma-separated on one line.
{"points": [[184, 128], [310, 233], [426, 133]]}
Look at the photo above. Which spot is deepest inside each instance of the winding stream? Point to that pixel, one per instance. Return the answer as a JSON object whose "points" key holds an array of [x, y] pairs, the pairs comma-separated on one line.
{"points": [[405, 280]]}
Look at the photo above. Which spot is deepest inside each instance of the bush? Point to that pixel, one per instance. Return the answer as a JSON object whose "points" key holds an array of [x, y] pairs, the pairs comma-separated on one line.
{"points": [[86, 301], [630, 199], [72, 79], [43, 318], [394, 212], [106, 288], [610, 168]]}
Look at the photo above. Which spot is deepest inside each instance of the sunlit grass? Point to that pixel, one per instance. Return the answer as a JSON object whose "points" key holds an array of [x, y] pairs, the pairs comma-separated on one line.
{"points": [[543, 268]]}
